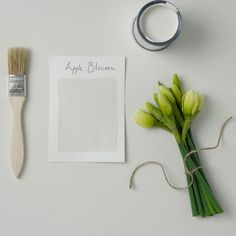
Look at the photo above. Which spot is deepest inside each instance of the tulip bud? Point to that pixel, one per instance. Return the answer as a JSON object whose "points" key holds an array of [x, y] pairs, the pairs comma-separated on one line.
{"points": [[166, 92], [165, 105], [177, 93], [188, 102], [153, 110], [192, 102], [144, 119], [176, 81], [155, 96]]}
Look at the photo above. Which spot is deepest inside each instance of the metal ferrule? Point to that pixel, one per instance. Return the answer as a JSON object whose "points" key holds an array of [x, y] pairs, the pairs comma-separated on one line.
{"points": [[17, 85]]}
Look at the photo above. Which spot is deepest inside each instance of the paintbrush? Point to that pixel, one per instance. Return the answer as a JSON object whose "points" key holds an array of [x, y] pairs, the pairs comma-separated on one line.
{"points": [[17, 67]]}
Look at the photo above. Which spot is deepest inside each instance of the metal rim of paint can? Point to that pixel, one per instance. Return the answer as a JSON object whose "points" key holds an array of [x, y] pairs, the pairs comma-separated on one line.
{"points": [[141, 37]]}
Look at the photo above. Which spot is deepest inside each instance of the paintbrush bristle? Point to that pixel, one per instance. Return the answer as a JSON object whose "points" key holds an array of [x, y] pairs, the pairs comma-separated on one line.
{"points": [[18, 61]]}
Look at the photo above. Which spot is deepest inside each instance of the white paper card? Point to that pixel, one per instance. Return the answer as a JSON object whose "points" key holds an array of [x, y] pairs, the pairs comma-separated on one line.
{"points": [[86, 109]]}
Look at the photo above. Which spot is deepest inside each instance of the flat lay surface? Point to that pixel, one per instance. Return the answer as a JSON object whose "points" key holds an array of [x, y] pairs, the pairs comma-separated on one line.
{"points": [[89, 199]]}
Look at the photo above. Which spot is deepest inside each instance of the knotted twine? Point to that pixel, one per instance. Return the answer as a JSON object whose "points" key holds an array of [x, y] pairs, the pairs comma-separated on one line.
{"points": [[187, 170]]}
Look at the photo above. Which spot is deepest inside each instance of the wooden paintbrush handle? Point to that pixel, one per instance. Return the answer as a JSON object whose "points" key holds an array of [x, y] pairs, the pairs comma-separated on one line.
{"points": [[17, 140]]}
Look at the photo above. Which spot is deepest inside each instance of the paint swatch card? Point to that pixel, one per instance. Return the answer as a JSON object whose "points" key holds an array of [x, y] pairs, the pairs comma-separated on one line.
{"points": [[86, 109]]}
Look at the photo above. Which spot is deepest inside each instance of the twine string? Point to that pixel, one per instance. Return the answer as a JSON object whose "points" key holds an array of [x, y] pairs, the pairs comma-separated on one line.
{"points": [[188, 172]]}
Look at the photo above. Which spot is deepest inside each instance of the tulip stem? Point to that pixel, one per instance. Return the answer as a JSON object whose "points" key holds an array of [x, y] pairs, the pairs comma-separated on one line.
{"points": [[178, 115], [205, 202], [186, 127], [174, 111], [195, 155]]}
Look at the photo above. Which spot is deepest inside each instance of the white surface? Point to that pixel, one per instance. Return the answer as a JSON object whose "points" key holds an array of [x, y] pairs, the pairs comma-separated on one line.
{"points": [[160, 23], [93, 199], [95, 87]]}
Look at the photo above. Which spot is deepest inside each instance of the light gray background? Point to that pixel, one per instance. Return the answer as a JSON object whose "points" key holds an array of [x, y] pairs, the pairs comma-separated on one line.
{"points": [[90, 199]]}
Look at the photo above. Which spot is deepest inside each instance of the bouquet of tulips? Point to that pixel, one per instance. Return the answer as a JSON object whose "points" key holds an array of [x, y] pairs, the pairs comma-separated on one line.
{"points": [[174, 110]]}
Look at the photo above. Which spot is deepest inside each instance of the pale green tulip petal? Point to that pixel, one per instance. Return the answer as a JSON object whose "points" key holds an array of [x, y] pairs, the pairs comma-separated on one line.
{"points": [[144, 119], [188, 102], [155, 96], [191, 103], [165, 105], [183, 98], [196, 103], [167, 93], [177, 93], [156, 112], [176, 81]]}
